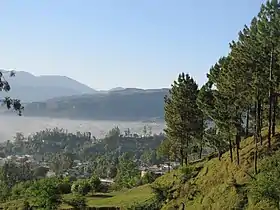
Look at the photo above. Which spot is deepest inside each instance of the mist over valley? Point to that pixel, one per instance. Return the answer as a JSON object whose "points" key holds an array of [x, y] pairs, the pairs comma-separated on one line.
{"points": [[11, 124]]}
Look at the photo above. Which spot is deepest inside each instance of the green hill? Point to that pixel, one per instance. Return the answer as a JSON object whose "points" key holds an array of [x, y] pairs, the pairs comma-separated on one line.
{"points": [[127, 104]]}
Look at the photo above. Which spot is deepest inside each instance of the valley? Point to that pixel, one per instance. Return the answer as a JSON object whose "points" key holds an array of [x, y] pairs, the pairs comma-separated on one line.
{"points": [[9, 125]]}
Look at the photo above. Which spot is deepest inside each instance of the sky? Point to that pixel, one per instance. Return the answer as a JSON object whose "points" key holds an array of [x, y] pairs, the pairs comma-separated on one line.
{"points": [[120, 43]]}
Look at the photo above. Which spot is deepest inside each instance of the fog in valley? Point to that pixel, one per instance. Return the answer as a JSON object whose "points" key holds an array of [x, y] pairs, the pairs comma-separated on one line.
{"points": [[9, 125]]}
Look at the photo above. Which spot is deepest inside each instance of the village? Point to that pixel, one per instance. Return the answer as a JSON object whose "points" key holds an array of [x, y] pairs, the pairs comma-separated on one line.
{"points": [[80, 169]]}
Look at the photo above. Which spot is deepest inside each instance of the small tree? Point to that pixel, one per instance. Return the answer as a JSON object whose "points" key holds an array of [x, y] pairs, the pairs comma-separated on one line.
{"points": [[94, 184], [44, 193], [81, 187]]}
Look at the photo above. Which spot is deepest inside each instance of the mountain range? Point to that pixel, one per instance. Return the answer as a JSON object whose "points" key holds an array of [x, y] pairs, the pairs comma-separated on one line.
{"points": [[30, 88], [63, 97]]}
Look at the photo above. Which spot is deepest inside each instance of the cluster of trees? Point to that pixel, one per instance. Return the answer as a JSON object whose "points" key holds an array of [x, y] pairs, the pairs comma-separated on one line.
{"points": [[47, 193], [60, 148], [239, 98]]}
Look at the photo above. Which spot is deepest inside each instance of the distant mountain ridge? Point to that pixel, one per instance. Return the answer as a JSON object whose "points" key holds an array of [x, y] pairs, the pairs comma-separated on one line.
{"points": [[128, 104], [63, 97], [30, 88]]}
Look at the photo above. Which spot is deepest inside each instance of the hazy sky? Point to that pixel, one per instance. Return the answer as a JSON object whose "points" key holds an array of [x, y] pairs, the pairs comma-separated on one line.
{"points": [[128, 43]]}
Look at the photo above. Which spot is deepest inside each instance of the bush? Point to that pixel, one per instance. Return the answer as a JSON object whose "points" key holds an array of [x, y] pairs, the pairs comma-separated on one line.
{"points": [[78, 202], [64, 188], [44, 193], [81, 187], [19, 190], [148, 178], [95, 184], [104, 188], [4, 192], [151, 204], [267, 183]]}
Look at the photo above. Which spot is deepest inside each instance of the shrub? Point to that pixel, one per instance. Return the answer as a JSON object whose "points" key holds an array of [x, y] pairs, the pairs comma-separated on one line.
{"points": [[267, 183], [64, 188], [81, 187], [95, 183], [148, 178], [78, 202], [150, 204], [44, 193], [19, 190]]}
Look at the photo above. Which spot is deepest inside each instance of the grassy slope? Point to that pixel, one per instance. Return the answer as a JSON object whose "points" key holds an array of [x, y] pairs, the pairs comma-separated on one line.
{"points": [[119, 199], [124, 199], [218, 184]]}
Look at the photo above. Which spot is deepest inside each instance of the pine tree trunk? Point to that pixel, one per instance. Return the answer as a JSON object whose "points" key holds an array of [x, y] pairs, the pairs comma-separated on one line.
{"points": [[186, 154], [275, 101], [237, 140], [270, 101], [237, 136], [247, 122], [169, 162], [259, 121], [256, 143], [230, 149], [269, 122], [202, 135], [256, 155], [182, 156], [219, 154], [200, 152]]}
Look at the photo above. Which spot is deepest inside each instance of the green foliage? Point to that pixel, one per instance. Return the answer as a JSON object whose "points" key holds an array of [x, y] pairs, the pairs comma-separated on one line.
{"points": [[44, 193], [19, 190], [149, 157], [81, 187], [64, 187], [148, 178], [11, 173], [267, 183], [10, 103], [95, 183], [150, 204], [128, 173], [61, 162], [4, 191], [182, 116], [78, 202]]}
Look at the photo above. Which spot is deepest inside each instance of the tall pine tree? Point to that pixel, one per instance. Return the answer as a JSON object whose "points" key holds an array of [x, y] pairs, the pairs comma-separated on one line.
{"points": [[182, 116]]}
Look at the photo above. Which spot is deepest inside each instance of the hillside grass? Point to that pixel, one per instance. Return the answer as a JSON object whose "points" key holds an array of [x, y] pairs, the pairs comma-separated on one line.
{"points": [[216, 184], [121, 199]]}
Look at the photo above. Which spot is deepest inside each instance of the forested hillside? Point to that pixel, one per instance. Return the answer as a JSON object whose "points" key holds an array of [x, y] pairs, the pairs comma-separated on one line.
{"points": [[127, 104]]}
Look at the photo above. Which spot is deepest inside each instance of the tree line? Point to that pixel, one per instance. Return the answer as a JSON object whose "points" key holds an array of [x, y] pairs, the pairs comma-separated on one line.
{"points": [[239, 98]]}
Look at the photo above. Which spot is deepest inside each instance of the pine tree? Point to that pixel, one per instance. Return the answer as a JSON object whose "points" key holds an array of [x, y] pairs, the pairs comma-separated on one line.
{"points": [[182, 116]]}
